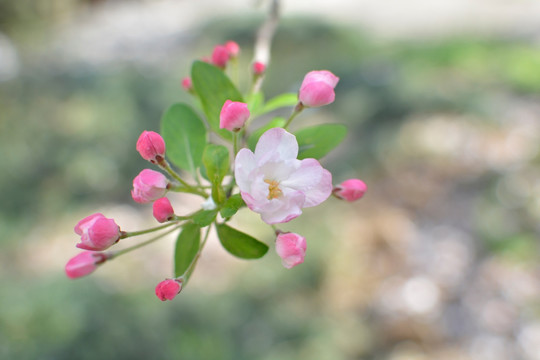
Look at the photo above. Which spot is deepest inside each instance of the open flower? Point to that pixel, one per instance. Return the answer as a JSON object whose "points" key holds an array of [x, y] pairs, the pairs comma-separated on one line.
{"points": [[274, 183]]}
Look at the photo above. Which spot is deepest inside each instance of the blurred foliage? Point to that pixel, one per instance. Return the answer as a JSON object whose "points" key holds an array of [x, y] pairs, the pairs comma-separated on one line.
{"points": [[68, 137]]}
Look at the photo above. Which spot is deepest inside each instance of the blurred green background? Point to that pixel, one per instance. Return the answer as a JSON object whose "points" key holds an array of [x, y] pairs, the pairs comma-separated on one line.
{"points": [[438, 261]]}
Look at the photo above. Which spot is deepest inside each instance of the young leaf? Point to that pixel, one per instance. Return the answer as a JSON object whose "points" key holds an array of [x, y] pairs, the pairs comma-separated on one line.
{"points": [[317, 141], [187, 246], [185, 136], [255, 102], [283, 100], [254, 137], [204, 217], [232, 205], [216, 161], [240, 244], [214, 88]]}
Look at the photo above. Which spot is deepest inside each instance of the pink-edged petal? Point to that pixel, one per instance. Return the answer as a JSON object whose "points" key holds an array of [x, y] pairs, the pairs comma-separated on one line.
{"points": [[311, 179], [320, 75], [276, 145], [244, 164], [87, 222], [315, 94]]}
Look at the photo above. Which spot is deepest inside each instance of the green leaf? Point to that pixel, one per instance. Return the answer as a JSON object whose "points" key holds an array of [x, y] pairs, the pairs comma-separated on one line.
{"points": [[255, 102], [317, 141], [204, 217], [232, 205], [283, 100], [254, 137], [185, 136], [240, 244], [216, 161], [187, 246], [213, 88]]}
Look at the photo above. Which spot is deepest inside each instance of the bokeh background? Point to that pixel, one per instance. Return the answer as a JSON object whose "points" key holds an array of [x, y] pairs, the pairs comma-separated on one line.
{"points": [[440, 260]]}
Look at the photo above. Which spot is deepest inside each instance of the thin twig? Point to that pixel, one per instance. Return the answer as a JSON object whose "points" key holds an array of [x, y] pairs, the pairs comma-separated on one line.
{"points": [[263, 42]]}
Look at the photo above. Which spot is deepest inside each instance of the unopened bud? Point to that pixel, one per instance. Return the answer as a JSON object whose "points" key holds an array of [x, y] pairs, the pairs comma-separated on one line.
{"points": [[97, 232], [168, 289], [350, 190], [291, 248], [163, 210], [151, 146], [259, 68], [233, 115], [317, 88], [84, 264], [148, 186]]}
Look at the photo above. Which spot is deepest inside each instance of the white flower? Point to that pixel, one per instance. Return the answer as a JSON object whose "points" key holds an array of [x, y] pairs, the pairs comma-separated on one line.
{"points": [[274, 183]]}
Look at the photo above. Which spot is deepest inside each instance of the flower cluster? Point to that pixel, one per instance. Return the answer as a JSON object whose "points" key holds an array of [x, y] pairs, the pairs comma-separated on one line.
{"points": [[269, 172]]}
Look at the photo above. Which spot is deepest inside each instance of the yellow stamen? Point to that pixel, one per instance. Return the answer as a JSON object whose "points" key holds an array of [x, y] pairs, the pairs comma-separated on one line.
{"points": [[273, 189]]}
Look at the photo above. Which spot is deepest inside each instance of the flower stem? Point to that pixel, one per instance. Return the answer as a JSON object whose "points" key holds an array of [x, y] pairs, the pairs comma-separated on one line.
{"points": [[126, 234], [115, 254], [297, 110]]}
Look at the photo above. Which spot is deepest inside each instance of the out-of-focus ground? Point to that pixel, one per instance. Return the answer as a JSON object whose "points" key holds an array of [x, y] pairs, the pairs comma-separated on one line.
{"points": [[438, 261]]}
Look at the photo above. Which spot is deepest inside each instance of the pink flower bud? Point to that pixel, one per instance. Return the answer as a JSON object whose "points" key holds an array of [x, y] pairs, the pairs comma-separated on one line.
{"points": [[84, 264], [163, 209], [259, 68], [151, 146], [148, 186], [350, 190], [220, 56], [187, 84], [233, 115], [97, 232], [233, 48], [291, 248], [168, 289], [317, 89]]}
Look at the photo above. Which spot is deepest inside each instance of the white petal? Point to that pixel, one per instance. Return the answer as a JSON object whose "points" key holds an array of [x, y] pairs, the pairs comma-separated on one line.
{"points": [[284, 208], [276, 145], [311, 179], [244, 164]]}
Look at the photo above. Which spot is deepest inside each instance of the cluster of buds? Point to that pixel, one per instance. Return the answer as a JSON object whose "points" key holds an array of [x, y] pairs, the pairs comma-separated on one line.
{"points": [[269, 173]]}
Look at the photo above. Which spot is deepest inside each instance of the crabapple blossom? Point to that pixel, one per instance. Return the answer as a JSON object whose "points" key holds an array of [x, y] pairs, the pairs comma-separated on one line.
{"points": [[291, 248], [84, 264], [148, 186], [277, 185], [220, 56], [97, 232], [317, 88], [168, 289], [350, 190], [151, 146], [162, 209], [233, 48], [259, 68], [233, 115]]}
